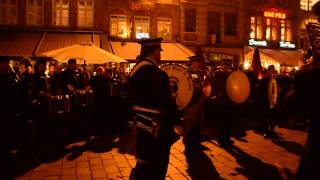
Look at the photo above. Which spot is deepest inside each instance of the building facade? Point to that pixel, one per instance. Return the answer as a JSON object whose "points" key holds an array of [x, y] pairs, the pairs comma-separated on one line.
{"points": [[216, 29]]}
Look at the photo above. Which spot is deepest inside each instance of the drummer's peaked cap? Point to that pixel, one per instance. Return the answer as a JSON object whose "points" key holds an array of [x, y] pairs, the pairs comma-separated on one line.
{"points": [[316, 9], [152, 42], [195, 58]]}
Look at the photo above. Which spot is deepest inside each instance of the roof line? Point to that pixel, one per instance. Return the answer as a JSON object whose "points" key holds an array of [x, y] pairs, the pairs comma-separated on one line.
{"points": [[49, 30]]}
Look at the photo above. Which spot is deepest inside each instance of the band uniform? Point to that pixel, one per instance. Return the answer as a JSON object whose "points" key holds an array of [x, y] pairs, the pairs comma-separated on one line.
{"points": [[151, 97]]}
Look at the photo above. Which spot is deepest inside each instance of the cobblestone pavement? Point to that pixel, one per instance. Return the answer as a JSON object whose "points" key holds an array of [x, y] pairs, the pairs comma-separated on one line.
{"points": [[251, 157]]}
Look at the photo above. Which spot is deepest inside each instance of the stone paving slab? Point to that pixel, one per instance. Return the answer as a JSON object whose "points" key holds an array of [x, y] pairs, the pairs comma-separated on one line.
{"points": [[250, 158]]}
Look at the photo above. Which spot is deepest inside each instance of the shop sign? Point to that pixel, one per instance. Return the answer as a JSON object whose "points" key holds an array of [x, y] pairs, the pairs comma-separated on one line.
{"points": [[140, 35], [253, 42], [212, 56], [272, 14], [290, 45]]}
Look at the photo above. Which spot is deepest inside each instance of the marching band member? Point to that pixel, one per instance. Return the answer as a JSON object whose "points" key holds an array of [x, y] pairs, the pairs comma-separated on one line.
{"points": [[194, 111], [153, 103], [267, 111], [223, 104]]}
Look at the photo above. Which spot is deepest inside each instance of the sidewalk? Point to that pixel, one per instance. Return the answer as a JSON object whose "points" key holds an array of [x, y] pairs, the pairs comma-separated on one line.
{"points": [[252, 157]]}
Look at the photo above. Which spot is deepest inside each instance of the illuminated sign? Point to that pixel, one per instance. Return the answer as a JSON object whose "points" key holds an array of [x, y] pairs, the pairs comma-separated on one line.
{"points": [[253, 42], [277, 15], [286, 45], [140, 35]]}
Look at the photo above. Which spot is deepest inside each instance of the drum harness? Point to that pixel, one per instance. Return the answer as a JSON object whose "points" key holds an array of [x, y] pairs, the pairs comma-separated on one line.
{"points": [[145, 118]]}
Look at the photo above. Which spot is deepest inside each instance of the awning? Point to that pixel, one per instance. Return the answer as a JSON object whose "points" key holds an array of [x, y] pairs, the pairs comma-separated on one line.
{"points": [[33, 43], [56, 40], [17, 43], [284, 57], [174, 52]]}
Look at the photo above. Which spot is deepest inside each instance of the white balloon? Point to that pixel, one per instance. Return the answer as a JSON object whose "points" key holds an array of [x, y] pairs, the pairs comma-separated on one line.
{"points": [[238, 87]]}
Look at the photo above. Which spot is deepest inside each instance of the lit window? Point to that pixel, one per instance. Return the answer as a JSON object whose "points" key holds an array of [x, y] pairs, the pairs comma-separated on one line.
{"points": [[118, 26], [307, 5], [35, 11], [271, 29], [274, 32], [282, 30], [256, 28], [142, 27], [253, 28], [8, 12], [268, 29], [285, 31], [61, 12], [164, 28], [259, 28], [85, 13], [289, 32]]}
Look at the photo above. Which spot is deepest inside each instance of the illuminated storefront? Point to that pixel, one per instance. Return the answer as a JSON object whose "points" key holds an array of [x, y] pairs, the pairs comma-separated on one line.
{"points": [[272, 32]]}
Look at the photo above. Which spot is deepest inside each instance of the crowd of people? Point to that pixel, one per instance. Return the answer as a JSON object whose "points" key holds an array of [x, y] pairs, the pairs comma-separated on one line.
{"points": [[37, 95]]}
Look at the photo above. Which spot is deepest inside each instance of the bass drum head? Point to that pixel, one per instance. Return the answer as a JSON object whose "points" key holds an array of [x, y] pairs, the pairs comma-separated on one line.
{"points": [[181, 84], [238, 87], [272, 92]]}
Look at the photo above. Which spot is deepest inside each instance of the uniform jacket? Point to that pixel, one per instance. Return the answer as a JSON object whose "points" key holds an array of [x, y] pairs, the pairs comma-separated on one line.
{"points": [[149, 88]]}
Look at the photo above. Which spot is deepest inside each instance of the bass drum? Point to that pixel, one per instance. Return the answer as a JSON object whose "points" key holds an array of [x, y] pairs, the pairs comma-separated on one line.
{"points": [[185, 86], [272, 92]]}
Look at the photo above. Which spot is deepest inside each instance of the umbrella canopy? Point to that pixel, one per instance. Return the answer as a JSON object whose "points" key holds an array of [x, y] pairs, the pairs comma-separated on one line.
{"points": [[88, 52], [256, 64]]}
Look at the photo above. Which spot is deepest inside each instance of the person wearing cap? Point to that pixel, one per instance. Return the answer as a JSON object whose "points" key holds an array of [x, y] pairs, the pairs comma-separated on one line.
{"points": [[152, 102], [306, 89], [193, 113], [8, 112]]}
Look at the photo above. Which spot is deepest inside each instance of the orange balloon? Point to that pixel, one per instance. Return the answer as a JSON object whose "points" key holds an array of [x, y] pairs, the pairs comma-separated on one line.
{"points": [[238, 87]]}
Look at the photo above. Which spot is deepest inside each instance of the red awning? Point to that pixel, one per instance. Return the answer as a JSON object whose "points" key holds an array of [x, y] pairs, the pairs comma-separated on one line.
{"points": [[18, 43], [32, 43]]}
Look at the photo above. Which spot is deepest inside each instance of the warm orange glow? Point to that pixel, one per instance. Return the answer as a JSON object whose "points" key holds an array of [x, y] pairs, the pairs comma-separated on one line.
{"points": [[275, 15]]}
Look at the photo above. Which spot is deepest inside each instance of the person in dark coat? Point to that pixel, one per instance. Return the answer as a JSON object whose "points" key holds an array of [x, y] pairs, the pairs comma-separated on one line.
{"points": [[152, 99], [307, 94], [55, 79], [71, 77], [223, 104], [101, 101], [8, 114], [267, 109], [194, 111]]}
